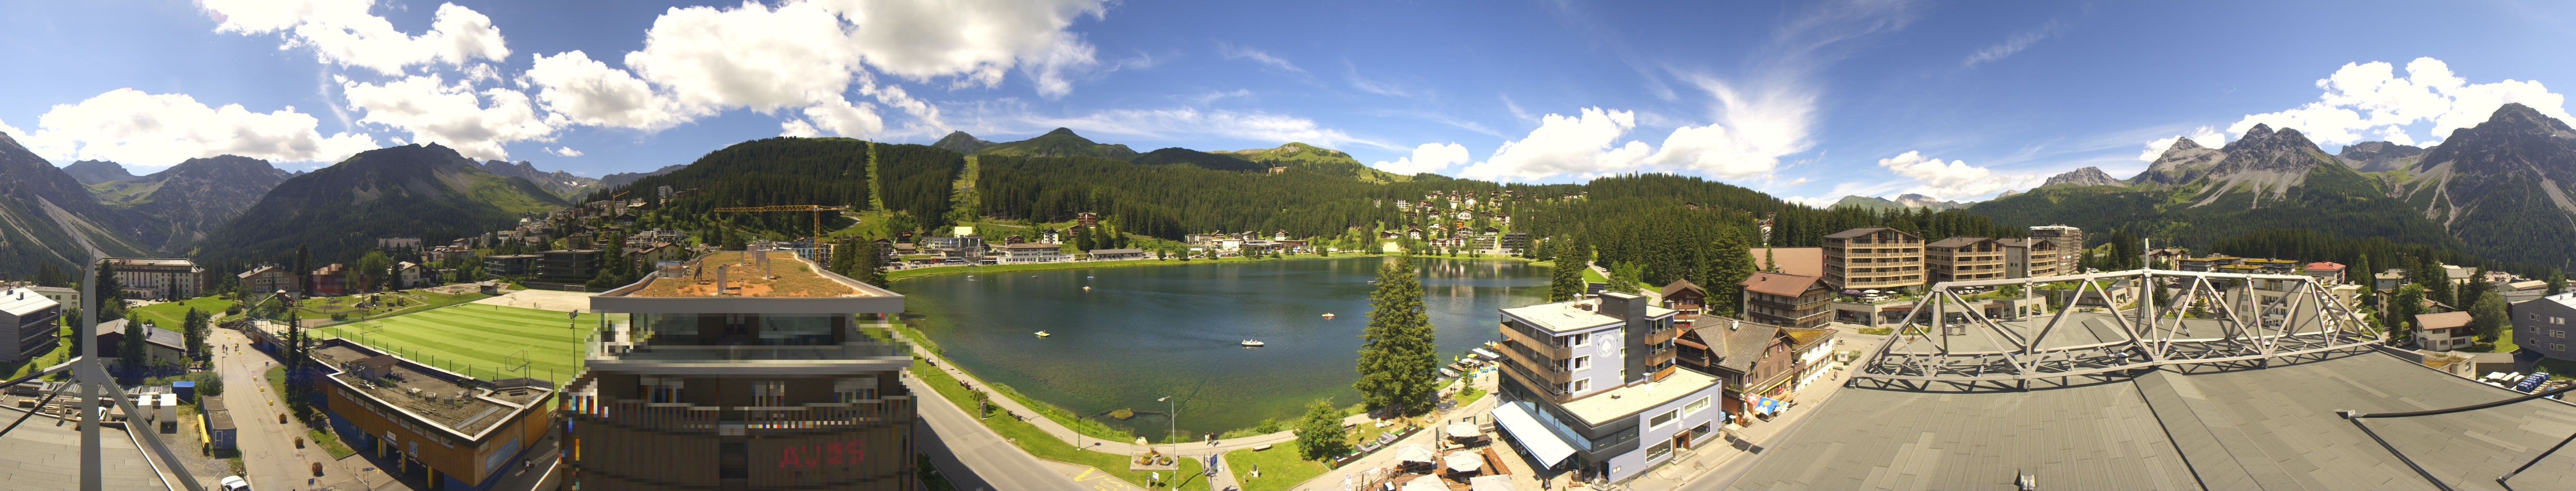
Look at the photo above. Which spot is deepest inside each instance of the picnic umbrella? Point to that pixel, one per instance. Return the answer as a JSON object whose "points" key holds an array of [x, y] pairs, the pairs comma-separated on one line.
{"points": [[1425, 483], [1465, 461], [1460, 429], [1415, 453]]}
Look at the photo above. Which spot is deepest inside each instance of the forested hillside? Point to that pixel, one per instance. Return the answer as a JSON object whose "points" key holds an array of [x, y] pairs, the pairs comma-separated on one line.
{"points": [[425, 191], [803, 171]]}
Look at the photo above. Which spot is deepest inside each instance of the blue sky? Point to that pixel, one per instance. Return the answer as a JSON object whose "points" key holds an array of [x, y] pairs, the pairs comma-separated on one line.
{"points": [[1806, 100]]}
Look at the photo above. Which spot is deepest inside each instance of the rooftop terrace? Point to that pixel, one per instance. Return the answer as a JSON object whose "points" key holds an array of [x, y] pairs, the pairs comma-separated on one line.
{"points": [[1600, 409], [786, 276], [467, 410]]}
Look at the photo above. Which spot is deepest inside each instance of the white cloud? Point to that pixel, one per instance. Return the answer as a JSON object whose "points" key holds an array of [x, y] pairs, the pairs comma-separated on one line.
{"points": [[842, 118], [342, 32], [563, 151], [2015, 44], [1581, 144], [1430, 157], [152, 130], [453, 115], [2204, 136], [1951, 179], [1232, 52], [797, 128], [579, 90], [709, 60], [1752, 133], [2365, 99], [976, 41]]}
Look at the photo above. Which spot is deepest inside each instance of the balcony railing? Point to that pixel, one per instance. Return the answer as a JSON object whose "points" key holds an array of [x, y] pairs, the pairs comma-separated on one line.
{"points": [[681, 417], [750, 353]]}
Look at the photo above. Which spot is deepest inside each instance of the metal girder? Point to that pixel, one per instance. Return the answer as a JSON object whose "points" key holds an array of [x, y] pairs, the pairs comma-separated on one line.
{"points": [[2149, 336]]}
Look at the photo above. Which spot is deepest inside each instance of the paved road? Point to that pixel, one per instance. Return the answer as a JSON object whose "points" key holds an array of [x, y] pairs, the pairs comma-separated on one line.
{"points": [[267, 448], [971, 455]]}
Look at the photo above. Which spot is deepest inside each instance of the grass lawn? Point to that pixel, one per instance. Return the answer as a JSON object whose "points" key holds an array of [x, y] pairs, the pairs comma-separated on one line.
{"points": [[1593, 276], [1470, 396], [482, 341], [415, 301], [276, 377], [168, 315], [62, 351], [1281, 467], [1037, 442], [2503, 344], [1087, 427], [329, 443]]}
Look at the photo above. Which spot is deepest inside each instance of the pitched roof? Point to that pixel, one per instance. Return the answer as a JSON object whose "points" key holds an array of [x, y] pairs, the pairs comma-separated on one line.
{"points": [[1846, 234], [1955, 242], [2324, 266], [1738, 343], [1786, 285], [2445, 320], [1801, 261], [1678, 285]]}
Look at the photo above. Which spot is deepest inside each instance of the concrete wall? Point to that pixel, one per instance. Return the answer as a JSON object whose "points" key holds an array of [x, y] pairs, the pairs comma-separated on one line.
{"points": [[1634, 463]]}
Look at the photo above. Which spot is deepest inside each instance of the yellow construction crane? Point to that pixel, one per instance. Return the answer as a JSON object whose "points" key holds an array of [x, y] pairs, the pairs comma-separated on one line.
{"points": [[817, 210]]}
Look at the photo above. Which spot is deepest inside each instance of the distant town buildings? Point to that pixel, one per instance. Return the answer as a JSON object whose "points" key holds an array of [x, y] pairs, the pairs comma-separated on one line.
{"points": [[2031, 258], [568, 266], [2069, 242], [2444, 331], [158, 278], [2327, 272], [266, 279], [1031, 253], [398, 243], [333, 280], [1964, 259], [1783, 299]]}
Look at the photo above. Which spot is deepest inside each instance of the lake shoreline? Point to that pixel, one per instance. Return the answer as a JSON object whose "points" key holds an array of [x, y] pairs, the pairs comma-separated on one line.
{"points": [[905, 274]]}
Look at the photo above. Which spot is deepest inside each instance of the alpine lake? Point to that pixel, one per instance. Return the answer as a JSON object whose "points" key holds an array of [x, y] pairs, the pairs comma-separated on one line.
{"points": [[1140, 333]]}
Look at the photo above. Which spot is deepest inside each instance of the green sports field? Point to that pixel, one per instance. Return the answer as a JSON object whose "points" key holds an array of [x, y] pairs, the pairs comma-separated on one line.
{"points": [[481, 340]]}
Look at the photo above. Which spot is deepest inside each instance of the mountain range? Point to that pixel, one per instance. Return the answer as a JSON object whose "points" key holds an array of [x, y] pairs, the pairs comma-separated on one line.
{"points": [[562, 184], [425, 191], [1902, 202], [192, 198], [2497, 190]]}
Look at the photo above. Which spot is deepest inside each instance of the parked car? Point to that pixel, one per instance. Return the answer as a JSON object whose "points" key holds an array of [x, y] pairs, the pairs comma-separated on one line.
{"points": [[235, 483]]}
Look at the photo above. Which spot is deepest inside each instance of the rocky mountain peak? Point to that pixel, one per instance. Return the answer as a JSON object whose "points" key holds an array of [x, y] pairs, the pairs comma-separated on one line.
{"points": [[97, 171], [2378, 156], [2516, 115], [1061, 132], [2091, 176], [960, 142]]}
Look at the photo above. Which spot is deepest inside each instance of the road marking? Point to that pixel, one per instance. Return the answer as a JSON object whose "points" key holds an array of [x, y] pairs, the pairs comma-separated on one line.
{"points": [[1086, 473]]}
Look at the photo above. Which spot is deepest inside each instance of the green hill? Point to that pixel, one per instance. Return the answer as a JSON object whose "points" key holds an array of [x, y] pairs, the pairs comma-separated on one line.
{"points": [[1059, 143], [1300, 156], [804, 171], [425, 191]]}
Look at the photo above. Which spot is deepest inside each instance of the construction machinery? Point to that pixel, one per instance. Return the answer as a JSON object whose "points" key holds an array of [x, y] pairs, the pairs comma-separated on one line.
{"points": [[817, 210]]}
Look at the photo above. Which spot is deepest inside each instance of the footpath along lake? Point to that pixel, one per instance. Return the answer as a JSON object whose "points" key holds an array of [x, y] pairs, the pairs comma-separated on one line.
{"points": [[1142, 333]]}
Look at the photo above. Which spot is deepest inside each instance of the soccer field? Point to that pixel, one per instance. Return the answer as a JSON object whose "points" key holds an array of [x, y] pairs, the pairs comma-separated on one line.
{"points": [[483, 341]]}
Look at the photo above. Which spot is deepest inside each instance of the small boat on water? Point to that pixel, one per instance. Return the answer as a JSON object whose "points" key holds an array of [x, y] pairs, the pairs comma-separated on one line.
{"points": [[1086, 288], [1253, 343], [1044, 334], [1328, 315]]}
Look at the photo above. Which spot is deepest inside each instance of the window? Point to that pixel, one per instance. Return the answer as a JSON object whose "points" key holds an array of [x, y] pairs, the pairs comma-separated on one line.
{"points": [[1663, 419], [2558, 347], [1579, 363], [1695, 406], [2557, 320], [1578, 340], [1660, 450], [1578, 386], [769, 394], [661, 390], [852, 390]]}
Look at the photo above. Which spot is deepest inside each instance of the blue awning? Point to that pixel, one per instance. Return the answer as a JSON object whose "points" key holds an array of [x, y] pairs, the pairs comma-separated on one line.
{"points": [[1533, 437]]}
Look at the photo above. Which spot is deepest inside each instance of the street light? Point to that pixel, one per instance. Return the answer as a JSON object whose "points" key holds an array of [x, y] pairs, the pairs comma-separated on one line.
{"points": [[1174, 416]]}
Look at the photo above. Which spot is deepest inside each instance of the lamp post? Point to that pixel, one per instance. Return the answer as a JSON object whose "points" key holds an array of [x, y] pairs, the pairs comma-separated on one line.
{"points": [[1173, 415]]}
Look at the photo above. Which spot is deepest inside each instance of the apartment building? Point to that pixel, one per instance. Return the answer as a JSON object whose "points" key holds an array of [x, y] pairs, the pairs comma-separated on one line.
{"points": [[1873, 258], [2030, 258], [1964, 259], [2542, 325], [568, 266], [1590, 386], [270, 279], [1789, 300], [1031, 253], [2069, 241], [155, 278], [2444, 331], [743, 370], [29, 324]]}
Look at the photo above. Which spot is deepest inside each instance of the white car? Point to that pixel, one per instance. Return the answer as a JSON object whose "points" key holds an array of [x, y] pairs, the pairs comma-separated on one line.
{"points": [[235, 483]]}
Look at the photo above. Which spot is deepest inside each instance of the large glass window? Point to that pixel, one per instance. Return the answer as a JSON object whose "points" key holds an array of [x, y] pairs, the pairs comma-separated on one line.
{"points": [[1658, 451], [1695, 406], [1663, 419]]}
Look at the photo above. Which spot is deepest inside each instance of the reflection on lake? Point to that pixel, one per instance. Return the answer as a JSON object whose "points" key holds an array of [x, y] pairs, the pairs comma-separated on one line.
{"points": [[1142, 333]]}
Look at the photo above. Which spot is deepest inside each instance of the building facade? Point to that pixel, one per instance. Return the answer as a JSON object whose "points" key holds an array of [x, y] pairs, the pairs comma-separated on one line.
{"points": [[2444, 331], [1590, 386], [2069, 241], [1031, 253], [568, 266], [333, 280], [725, 379], [2542, 325], [1787, 300], [158, 278], [509, 265], [29, 325], [1964, 259], [1873, 258], [2030, 258], [268, 279]]}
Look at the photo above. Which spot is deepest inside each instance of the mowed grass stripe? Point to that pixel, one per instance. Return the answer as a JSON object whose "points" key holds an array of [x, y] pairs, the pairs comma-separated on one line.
{"points": [[483, 336]]}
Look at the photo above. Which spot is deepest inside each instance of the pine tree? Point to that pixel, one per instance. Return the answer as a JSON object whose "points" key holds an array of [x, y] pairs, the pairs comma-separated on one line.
{"points": [[2402, 311], [868, 262], [1565, 281], [194, 326], [1726, 274], [131, 348], [106, 299], [2557, 281], [1397, 357], [2489, 317]]}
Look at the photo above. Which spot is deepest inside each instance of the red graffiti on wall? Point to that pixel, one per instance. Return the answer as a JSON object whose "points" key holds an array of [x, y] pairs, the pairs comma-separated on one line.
{"points": [[821, 454]]}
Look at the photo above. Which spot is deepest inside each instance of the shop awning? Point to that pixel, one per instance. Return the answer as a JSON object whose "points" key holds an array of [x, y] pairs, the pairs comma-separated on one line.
{"points": [[1541, 443]]}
